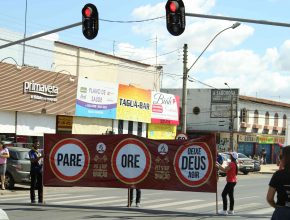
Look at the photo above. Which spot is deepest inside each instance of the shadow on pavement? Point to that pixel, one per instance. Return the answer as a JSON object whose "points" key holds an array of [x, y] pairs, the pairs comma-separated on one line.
{"points": [[125, 210]]}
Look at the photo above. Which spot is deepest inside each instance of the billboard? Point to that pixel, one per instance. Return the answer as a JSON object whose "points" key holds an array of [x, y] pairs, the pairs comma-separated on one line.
{"points": [[134, 104], [165, 108], [96, 99]]}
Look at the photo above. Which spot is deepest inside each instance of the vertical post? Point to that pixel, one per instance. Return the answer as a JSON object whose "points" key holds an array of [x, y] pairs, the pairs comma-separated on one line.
{"points": [[184, 90], [232, 124]]}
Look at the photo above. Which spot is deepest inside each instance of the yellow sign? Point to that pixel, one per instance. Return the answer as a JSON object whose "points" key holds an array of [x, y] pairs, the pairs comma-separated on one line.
{"points": [[134, 104], [161, 131]]}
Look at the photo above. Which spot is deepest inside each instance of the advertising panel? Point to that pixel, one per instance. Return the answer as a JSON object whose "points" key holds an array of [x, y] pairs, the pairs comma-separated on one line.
{"points": [[96, 99], [134, 104], [161, 131], [165, 108], [125, 161]]}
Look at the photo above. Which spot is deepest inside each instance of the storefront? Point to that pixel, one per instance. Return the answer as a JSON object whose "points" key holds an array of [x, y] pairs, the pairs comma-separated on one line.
{"points": [[30, 101], [247, 144]]}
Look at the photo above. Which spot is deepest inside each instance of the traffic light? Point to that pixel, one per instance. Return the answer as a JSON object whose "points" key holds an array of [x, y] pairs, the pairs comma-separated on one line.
{"points": [[175, 17], [90, 21]]}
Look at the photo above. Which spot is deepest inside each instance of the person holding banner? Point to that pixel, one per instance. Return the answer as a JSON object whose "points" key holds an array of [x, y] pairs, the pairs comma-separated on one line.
{"points": [[138, 197], [280, 184], [231, 171], [36, 173]]}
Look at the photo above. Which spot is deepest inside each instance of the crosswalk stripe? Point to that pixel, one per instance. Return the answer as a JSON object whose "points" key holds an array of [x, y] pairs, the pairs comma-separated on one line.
{"points": [[251, 205], [110, 201], [85, 200], [173, 203], [27, 197], [67, 197], [200, 206], [262, 211], [155, 200]]}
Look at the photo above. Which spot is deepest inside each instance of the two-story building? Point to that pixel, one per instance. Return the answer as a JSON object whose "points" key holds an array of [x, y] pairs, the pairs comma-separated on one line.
{"points": [[252, 123]]}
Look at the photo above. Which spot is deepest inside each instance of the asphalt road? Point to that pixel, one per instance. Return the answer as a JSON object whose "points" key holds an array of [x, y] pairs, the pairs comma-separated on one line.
{"points": [[105, 203]]}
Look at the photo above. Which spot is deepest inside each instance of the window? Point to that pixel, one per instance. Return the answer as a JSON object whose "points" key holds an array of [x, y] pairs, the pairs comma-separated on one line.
{"points": [[276, 118], [244, 116], [130, 127], [284, 121], [256, 117], [120, 126], [267, 118], [139, 133]]}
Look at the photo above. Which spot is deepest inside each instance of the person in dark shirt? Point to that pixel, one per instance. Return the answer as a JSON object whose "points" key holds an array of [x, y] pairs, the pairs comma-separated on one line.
{"points": [[35, 173], [280, 185]]}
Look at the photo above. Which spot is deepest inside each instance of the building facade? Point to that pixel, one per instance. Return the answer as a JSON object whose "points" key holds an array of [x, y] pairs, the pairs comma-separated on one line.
{"points": [[40, 96], [253, 122]]}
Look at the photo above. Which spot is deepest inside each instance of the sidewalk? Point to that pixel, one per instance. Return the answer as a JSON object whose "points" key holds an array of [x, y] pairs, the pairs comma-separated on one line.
{"points": [[268, 168]]}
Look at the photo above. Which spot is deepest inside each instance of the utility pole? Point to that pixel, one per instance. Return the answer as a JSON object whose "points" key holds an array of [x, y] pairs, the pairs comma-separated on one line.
{"points": [[232, 124], [231, 119], [184, 91]]}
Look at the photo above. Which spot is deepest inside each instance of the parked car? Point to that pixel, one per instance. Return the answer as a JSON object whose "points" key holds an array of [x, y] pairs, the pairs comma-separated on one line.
{"points": [[18, 167], [257, 165], [245, 164]]}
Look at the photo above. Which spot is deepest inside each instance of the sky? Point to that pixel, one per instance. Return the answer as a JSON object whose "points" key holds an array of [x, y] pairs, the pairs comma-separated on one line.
{"points": [[253, 58]]}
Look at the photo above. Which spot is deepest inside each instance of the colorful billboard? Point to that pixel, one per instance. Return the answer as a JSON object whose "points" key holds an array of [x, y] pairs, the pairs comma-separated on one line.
{"points": [[96, 99], [128, 161], [134, 104], [165, 108]]}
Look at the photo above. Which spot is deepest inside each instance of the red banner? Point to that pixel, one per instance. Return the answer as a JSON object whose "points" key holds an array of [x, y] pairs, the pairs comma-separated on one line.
{"points": [[124, 161]]}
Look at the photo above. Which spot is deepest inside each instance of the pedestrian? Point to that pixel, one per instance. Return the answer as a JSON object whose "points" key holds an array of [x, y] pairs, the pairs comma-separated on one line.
{"points": [[231, 171], [264, 156], [138, 196], [36, 173], [280, 184], [4, 154]]}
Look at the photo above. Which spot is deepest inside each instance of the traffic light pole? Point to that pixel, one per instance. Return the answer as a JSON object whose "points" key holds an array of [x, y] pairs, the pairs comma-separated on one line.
{"points": [[281, 24], [41, 35]]}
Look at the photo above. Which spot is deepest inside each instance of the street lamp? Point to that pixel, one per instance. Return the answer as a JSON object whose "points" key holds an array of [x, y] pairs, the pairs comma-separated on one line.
{"points": [[231, 126], [185, 75]]}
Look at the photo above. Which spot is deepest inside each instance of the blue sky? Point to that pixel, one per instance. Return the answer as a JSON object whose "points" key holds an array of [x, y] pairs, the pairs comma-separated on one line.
{"points": [[253, 58]]}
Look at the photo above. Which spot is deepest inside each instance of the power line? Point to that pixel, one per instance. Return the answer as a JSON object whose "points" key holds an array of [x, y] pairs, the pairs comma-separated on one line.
{"points": [[134, 21]]}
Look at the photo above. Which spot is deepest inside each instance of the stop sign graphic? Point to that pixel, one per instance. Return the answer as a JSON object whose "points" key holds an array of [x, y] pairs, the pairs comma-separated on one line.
{"points": [[131, 161], [69, 160], [193, 164]]}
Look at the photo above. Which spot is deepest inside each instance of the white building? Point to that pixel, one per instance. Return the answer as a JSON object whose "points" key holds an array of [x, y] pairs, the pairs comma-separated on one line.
{"points": [[257, 123], [47, 63]]}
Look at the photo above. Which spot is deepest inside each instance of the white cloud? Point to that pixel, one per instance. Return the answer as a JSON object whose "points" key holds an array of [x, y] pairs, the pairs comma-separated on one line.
{"points": [[263, 75]]}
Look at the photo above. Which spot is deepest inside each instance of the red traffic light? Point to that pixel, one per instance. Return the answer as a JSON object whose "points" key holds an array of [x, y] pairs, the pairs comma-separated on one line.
{"points": [[88, 12], [173, 6]]}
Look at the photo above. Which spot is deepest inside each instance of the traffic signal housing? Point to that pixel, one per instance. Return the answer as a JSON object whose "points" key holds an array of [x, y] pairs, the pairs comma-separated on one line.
{"points": [[175, 17], [90, 21]]}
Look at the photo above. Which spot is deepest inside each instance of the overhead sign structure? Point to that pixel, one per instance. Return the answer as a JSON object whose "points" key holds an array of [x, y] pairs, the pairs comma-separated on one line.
{"points": [[69, 160], [223, 103], [131, 161]]}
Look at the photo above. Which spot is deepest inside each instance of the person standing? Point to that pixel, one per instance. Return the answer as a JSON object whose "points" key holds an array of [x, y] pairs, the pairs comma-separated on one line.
{"points": [[4, 154], [138, 196], [280, 185], [36, 173], [231, 170], [264, 156]]}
